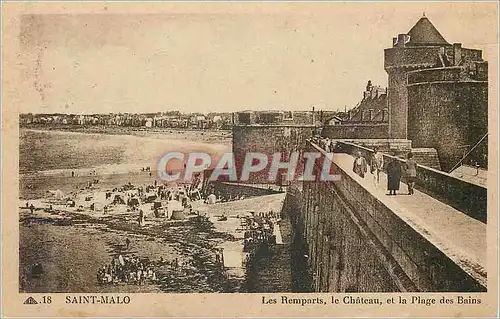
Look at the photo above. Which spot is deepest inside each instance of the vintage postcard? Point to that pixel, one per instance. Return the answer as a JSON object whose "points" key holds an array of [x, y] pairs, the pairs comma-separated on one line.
{"points": [[249, 159]]}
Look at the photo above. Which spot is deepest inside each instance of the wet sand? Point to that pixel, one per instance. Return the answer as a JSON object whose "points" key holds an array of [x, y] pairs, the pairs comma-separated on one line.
{"points": [[71, 256], [206, 136], [53, 152], [72, 246]]}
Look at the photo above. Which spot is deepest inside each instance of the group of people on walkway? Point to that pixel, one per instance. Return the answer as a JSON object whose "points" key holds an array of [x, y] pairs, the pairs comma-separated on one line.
{"points": [[394, 170]]}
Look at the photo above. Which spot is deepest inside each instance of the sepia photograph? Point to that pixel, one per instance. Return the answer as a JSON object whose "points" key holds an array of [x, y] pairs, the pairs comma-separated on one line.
{"points": [[294, 152]]}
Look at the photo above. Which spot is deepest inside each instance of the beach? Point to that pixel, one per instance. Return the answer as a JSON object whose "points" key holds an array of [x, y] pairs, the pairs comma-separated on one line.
{"points": [[73, 243]]}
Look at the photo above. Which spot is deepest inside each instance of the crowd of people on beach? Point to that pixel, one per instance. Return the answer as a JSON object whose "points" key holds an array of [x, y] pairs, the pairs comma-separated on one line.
{"points": [[140, 271], [127, 270], [213, 195]]}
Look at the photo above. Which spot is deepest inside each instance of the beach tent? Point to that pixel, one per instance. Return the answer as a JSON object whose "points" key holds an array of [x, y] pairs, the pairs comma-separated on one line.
{"points": [[178, 215], [118, 199], [96, 207], [173, 205], [211, 199], [134, 201], [150, 197], [58, 194]]}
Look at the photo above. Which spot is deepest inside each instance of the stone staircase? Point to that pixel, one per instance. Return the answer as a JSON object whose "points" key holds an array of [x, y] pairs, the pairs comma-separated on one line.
{"points": [[427, 157], [272, 269]]}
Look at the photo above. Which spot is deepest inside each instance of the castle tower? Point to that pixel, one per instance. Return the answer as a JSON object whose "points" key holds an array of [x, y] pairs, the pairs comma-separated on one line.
{"points": [[437, 94], [418, 49]]}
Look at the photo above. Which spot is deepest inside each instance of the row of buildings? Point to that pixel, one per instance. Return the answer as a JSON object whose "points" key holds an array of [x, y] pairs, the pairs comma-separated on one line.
{"points": [[313, 117], [221, 121], [175, 119]]}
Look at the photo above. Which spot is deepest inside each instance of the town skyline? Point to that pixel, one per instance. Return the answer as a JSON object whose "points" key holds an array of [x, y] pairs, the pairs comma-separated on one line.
{"points": [[199, 63]]}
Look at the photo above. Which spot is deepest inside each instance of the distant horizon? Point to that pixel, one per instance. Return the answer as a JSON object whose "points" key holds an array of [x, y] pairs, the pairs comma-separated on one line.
{"points": [[180, 112]]}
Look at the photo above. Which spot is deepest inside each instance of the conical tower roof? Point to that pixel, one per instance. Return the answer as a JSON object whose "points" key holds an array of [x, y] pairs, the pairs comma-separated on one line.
{"points": [[424, 33]]}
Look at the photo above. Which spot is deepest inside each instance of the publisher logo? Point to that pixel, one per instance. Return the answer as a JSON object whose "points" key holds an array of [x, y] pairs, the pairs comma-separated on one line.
{"points": [[309, 166]]}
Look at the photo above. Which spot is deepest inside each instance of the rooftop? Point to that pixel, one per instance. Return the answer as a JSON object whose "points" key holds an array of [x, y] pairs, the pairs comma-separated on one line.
{"points": [[424, 33]]}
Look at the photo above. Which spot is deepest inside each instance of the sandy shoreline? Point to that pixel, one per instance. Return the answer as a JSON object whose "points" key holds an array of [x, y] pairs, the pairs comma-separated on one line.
{"points": [[206, 136], [73, 245]]}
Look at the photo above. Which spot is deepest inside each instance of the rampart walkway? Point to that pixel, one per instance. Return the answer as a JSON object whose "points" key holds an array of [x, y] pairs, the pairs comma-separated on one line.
{"points": [[460, 237]]}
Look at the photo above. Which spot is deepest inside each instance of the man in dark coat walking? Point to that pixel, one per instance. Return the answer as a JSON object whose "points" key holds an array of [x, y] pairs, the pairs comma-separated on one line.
{"points": [[393, 176]]}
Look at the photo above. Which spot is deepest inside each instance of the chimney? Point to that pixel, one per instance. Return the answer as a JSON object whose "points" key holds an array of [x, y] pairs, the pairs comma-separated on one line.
{"points": [[394, 41], [402, 38], [457, 53]]}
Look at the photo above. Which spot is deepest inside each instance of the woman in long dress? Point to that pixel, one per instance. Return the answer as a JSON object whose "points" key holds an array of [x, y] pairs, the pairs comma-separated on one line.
{"points": [[393, 176]]}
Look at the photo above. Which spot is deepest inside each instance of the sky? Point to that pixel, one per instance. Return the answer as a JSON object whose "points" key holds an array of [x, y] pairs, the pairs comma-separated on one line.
{"points": [[224, 57]]}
